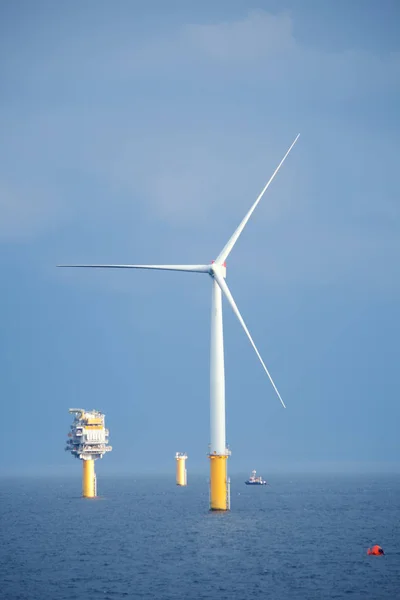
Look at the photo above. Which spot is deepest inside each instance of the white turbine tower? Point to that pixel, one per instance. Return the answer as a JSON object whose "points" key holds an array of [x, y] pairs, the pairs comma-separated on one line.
{"points": [[219, 495]]}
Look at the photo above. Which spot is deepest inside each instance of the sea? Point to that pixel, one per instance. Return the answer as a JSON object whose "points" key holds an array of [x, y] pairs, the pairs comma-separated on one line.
{"points": [[303, 537]]}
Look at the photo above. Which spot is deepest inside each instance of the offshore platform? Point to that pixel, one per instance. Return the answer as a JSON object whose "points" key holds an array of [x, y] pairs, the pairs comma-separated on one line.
{"points": [[88, 441], [181, 473]]}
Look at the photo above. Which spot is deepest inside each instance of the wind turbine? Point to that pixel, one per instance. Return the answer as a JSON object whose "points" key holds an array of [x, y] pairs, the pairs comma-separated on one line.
{"points": [[219, 486]]}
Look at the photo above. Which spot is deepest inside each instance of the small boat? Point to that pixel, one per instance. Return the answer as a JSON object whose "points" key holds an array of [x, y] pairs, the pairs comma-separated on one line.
{"points": [[253, 480]]}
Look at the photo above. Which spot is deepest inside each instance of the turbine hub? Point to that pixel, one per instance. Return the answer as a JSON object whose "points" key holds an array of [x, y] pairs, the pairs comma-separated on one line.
{"points": [[220, 269]]}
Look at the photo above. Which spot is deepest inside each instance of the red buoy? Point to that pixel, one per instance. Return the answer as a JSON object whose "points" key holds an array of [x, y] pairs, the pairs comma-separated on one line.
{"points": [[375, 551]]}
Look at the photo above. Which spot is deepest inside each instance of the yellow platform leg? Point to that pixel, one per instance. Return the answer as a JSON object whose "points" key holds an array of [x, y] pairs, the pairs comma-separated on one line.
{"points": [[88, 479], [218, 482], [180, 471]]}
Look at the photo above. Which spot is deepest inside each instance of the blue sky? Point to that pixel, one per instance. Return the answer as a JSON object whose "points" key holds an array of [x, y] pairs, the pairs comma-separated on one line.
{"points": [[141, 132]]}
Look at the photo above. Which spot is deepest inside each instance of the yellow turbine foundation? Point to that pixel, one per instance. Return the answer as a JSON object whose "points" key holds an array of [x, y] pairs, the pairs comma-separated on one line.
{"points": [[219, 496], [88, 479], [181, 473]]}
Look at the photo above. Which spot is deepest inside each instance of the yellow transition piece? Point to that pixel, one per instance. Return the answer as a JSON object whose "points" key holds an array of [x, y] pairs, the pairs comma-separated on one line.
{"points": [[180, 471], [218, 482], [88, 479]]}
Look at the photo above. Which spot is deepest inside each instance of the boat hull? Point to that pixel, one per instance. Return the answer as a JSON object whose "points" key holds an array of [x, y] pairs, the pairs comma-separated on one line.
{"points": [[255, 483]]}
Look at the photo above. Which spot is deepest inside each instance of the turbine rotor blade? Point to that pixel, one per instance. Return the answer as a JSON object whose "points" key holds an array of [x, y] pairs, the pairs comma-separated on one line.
{"points": [[225, 290], [232, 241], [188, 268]]}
